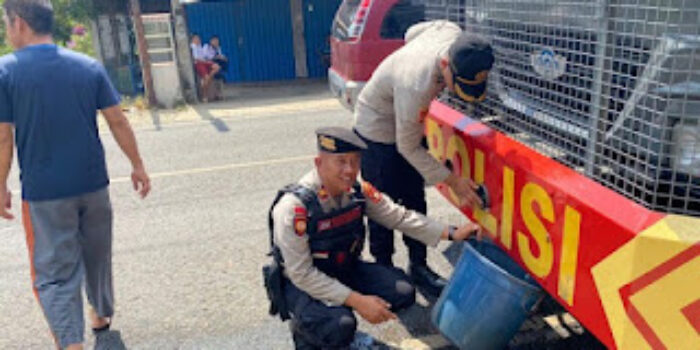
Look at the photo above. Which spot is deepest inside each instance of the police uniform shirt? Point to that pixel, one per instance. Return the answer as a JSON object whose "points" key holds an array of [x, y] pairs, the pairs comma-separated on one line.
{"points": [[388, 108], [293, 241]]}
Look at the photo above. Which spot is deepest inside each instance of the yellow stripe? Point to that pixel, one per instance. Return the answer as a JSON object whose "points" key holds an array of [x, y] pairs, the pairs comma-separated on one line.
{"points": [[478, 79], [469, 98], [487, 220], [218, 168], [569, 255]]}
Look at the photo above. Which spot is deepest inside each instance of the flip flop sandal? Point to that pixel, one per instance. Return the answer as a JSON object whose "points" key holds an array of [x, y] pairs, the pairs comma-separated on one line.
{"points": [[106, 339]]}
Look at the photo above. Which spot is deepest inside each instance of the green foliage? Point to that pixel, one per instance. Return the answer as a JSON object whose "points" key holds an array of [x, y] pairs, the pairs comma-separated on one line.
{"points": [[4, 48], [84, 43], [68, 15]]}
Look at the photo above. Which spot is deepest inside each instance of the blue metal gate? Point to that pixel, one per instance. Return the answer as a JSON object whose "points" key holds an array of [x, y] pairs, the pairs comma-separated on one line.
{"points": [[255, 35], [318, 17]]}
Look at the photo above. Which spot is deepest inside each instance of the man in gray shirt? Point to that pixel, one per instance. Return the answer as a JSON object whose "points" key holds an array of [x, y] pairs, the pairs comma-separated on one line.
{"points": [[437, 54]]}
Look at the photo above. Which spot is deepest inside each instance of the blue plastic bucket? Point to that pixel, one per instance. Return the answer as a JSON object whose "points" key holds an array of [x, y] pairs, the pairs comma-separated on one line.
{"points": [[487, 300]]}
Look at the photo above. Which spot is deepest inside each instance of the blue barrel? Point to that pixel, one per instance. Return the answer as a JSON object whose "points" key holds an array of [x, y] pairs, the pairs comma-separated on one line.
{"points": [[487, 300]]}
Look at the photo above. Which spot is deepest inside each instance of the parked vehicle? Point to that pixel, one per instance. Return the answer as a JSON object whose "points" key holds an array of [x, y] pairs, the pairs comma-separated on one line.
{"points": [[364, 32], [585, 90], [611, 90]]}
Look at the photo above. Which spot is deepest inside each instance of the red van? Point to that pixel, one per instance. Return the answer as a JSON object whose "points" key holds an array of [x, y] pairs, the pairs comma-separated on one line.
{"points": [[364, 32]]}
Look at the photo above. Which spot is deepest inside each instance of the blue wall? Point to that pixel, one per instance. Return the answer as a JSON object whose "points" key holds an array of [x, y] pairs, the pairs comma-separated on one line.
{"points": [[256, 35], [318, 18]]}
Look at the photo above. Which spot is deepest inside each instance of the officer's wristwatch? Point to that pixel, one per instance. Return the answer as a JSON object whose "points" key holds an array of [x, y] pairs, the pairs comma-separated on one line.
{"points": [[451, 232]]}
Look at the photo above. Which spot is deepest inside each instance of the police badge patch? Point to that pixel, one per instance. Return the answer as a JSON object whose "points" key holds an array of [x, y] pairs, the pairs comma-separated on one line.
{"points": [[370, 192], [323, 194], [299, 221]]}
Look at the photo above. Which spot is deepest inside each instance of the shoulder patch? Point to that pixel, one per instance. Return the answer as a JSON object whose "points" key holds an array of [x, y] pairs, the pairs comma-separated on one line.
{"points": [[299, 220], [371, 192]]}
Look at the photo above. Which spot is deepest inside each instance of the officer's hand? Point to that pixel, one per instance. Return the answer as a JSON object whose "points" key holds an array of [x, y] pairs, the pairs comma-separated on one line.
{"points": [[372, 308], [468, 230], [465, 189], [5, 204]]}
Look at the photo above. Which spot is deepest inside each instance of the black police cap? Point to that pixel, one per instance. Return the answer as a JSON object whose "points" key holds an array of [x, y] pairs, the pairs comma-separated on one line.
{"points": [[471, 58], [338, 140]]}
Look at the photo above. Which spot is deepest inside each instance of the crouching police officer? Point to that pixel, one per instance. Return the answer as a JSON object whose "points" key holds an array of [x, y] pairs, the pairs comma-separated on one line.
{"points": [[317, 232]]}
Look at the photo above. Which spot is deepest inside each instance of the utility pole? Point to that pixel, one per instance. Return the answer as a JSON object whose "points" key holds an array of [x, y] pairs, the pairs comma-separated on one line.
{"points": [[184, 55], [143, 52]]}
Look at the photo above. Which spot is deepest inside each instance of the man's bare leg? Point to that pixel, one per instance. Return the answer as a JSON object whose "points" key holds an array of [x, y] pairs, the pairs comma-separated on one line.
{"points": [[206, 81]]}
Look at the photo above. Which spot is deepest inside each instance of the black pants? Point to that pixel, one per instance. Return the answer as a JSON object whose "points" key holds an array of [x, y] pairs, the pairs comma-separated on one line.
{"points": [[316, 325], [385, 168]]}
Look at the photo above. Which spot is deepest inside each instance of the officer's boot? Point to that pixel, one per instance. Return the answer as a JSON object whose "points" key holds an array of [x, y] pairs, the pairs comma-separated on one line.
{"points": [[419, 271], [426, 278]]}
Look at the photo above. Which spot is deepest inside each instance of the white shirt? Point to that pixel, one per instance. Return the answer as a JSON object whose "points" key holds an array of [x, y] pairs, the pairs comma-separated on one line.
{"points": [[198, 52], [210, 52]]}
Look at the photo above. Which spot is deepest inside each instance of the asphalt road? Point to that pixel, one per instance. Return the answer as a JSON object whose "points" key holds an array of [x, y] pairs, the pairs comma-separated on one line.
{"points": [[187, 259]]}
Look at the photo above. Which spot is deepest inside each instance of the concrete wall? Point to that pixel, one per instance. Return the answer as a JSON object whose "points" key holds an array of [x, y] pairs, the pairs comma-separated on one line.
{"points": [[166, 83], [96, 43], [110, 35]]}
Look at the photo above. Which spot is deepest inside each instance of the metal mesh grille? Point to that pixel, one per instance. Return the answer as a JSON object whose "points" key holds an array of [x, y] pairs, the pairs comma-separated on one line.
{"points": [[610, 88]]}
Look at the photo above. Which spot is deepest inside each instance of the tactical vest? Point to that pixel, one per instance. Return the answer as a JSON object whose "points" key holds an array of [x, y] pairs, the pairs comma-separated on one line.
{"points": [[336, 238]]}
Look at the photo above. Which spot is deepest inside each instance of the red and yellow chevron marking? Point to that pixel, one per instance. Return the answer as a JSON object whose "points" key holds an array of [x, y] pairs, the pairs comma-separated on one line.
{"points": [[650, 287], [622, 270]]}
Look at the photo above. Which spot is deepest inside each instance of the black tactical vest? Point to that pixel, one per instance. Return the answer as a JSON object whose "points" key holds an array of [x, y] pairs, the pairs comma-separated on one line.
{"points": [[336, 238]]}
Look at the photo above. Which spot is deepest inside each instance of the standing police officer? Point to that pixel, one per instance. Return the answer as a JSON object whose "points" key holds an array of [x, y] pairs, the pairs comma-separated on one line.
{"points": [[388, 118], [318, 234]]}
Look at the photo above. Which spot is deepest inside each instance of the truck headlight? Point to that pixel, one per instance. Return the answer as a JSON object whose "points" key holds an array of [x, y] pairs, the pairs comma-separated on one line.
{"points": [[685, 154]]}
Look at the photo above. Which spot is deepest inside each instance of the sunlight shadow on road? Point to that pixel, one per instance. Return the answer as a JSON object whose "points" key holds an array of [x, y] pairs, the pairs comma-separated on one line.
{"points": [[204, 113]]}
